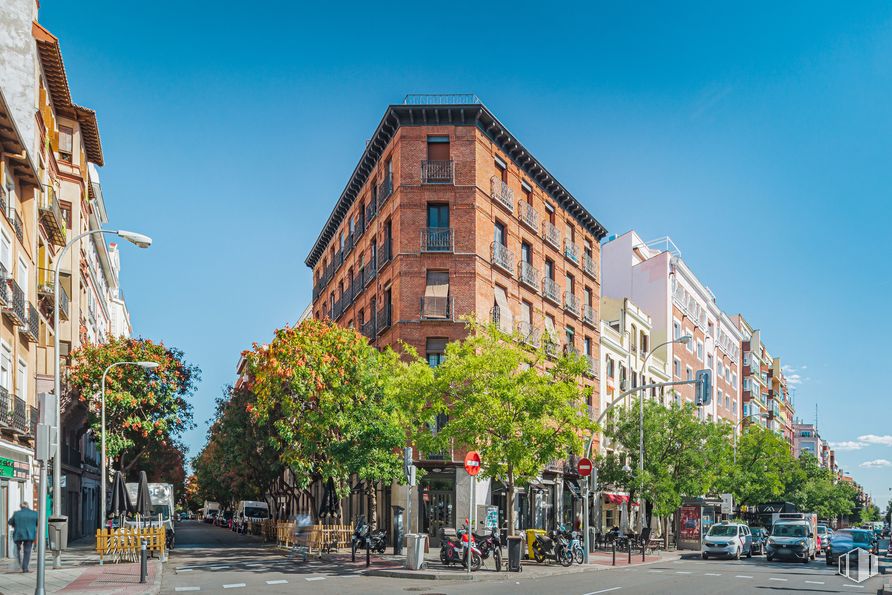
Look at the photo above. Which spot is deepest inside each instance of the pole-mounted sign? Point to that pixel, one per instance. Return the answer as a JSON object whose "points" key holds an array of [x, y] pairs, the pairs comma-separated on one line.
{"points": [[472, 463], [584, 467]]}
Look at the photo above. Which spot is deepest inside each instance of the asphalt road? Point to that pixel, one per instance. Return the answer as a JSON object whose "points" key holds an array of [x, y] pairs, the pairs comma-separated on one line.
{"points": [[214, 560]]}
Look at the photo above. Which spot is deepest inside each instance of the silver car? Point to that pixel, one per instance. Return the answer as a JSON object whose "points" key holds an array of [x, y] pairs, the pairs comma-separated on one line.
{"points": [[730, 540]]}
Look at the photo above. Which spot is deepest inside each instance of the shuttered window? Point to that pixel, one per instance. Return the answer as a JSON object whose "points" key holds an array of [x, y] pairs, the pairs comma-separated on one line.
{"points": [[506, 318], [438, 148], [436, 295]]}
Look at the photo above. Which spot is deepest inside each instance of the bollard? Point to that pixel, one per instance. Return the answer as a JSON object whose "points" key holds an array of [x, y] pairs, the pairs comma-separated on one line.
{"points": [[143, 563], [353, 551], [642, 552], [368, 551], [630, 553], [613, 543]]}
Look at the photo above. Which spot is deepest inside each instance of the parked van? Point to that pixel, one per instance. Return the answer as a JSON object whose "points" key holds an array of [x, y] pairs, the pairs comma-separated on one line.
{"points": [[249, 510], [209, 511], [794, 539]]}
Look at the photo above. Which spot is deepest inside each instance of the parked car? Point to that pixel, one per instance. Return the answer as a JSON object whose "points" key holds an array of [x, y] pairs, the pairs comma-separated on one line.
{"points": [[760, 536], [825, 536], [728, 539], [845, 540], [791, 540]]}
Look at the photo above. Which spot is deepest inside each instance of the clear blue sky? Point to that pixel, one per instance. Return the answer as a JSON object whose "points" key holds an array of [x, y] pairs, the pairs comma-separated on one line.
{"points": [[759, 137]]}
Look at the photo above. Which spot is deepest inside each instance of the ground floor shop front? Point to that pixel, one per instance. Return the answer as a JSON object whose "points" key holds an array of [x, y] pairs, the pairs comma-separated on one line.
{"points": [[18, 483]]}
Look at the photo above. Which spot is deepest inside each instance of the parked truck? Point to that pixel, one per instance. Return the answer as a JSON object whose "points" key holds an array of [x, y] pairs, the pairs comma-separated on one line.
{"points": [[163, 507], [209, 511], [249, 511]]}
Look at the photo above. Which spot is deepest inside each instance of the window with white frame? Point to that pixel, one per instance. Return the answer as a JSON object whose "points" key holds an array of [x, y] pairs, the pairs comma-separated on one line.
{"points": [[690, 344], [720, 370], [689, 373], [5, 366], [676, 368], [734, 379], [21, 380], [700, 350], [676, 329], [6, 252]]}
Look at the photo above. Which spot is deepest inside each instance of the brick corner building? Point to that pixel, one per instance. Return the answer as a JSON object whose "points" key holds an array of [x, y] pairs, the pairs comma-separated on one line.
{"points": [[447, 214]]}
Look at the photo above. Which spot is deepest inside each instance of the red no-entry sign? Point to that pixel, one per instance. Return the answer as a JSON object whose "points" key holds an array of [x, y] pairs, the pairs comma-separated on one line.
{"points": [[472, 463], [584, 467]]}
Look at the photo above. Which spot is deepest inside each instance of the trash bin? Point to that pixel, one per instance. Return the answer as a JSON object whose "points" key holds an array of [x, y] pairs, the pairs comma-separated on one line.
{"points": [[415, 551], [531, 539], [58, 532], [398, 535], [515, 553]]}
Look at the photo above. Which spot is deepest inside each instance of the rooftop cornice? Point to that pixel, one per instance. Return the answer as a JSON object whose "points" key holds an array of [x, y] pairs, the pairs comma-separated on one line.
{"points": [[447, 115]]}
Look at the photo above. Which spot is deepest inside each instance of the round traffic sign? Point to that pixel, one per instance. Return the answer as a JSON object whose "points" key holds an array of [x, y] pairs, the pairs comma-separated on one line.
{"points": [[584, 467], [472, 462]]}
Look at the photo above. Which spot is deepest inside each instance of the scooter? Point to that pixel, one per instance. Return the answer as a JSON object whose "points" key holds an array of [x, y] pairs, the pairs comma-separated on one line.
{"points": [[491, 544], [552, 546], [455, 549], [376, 541]]}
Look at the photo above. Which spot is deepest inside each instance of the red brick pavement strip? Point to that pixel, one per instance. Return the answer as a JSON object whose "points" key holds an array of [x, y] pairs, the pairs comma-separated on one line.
{"points": [[115, 578]]}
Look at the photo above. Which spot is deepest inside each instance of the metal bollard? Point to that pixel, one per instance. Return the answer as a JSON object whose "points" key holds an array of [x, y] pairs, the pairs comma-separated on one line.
{"points": [[143, 563], [368, 552], [642, 552], [630, 553], [613, 543]]}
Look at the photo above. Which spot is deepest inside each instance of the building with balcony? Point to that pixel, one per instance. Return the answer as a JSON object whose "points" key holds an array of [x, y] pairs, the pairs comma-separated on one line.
{"points": [[447, 215], [806, 438], [656, 278]]}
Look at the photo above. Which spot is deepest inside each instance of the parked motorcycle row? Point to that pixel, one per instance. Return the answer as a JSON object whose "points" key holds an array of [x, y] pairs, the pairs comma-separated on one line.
{"points": [[561, 546]]}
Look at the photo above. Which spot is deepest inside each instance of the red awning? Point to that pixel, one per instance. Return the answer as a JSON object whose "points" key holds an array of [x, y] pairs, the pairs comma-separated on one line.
{"points": [[616, 498]]}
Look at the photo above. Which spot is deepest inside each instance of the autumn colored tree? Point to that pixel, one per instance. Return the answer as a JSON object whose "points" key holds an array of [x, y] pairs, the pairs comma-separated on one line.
{"points": [[329, 398], [143, 409], [516, 406]]}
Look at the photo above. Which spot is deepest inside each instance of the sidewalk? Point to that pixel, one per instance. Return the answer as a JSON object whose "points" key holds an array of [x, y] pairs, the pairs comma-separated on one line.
{"points": [[599, 561], [81, 573]]}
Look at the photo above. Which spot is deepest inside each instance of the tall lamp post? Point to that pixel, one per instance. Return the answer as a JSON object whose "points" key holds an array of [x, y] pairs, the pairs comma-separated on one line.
{"points": [[143, 241], [682, 339], [144, 365]]}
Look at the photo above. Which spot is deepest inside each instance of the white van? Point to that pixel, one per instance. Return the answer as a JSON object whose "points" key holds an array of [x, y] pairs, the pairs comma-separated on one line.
{"points": [[249, 510], [209, 511]]}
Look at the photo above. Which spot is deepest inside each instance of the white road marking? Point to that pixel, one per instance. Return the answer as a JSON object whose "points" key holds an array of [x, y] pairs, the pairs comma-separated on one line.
{"points": [[220, 567], [315, 578], [777, 579], [278, 582], [655, 571], [234, 586], [853, 586], [184, 570], [254, 564], [603, 591], [815, 582], [682, 572], [713, 574], [179, 589], [741, 576]]}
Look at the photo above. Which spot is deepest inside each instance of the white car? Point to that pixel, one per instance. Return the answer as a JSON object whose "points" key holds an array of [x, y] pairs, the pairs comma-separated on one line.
{"points": [[730, 540]]}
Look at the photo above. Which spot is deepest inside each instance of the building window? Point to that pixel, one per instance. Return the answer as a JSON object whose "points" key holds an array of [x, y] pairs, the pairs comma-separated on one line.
{"points": [[502, 310], [549, 211], [690, 345], [570, 288], [734, 380], [436, 351], [436, 296], [689, 373], [549, 269], [644, 342], [587, 346], [438, 148], [527, 192], [611, 367], [570, 335], [676, 368], [66, 143], [22, 380], [588, 296], [437, 215], [526, 253], [700, 350], [500, 236], [502, 168], [719, 400], [676, 329]]}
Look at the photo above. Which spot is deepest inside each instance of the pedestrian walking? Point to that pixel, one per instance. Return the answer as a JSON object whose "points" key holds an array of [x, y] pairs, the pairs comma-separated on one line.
{"points": [[24, 523]]}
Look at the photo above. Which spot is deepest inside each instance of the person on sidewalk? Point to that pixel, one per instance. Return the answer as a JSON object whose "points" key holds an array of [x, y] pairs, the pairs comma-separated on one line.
{"points": [[24, 522]]}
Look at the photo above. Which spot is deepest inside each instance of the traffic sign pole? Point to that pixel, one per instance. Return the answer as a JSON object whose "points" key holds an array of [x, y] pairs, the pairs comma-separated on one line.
{"points": [[472, 466], [584, 469]]}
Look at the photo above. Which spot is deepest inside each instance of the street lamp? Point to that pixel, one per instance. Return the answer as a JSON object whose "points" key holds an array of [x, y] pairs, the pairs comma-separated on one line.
{"points": [[144, 365], [686, 339], [143, 241]]}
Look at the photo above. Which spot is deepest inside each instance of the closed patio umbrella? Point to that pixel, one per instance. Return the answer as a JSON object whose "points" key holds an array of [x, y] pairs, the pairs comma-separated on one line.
{"points": [[143, 505], [120, 499]]}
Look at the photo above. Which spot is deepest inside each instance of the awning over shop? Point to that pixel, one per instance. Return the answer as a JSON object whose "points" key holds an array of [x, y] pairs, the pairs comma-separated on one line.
{"points": [[610, 498]]}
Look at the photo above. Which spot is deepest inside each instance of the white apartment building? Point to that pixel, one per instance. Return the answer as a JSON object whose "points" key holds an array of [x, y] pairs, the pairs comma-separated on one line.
{"points": [[656, 278]]}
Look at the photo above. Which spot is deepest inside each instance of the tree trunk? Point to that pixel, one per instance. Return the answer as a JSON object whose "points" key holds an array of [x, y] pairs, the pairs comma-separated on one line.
{"points": [[373, 505], [509, 489]]}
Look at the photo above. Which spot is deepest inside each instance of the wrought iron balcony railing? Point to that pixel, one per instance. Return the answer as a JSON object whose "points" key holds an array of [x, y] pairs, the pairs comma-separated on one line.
{"points": [[571, 303], [369, 329], [528, 333], [502, 193], [529, 216], [32, 418], [384, 255], [17, 225], [551, 234], [5, 408], [501, 256], [550, 290], [51, 216], [528, 275], [20, 415], [16, 308], [384, 320], [437, 172], [588, 315], [370, 272], [385, 189], [436, 239], [437, 308], [32, 327], [589, 267], [4, 287], [571, 251], [371, 211]]}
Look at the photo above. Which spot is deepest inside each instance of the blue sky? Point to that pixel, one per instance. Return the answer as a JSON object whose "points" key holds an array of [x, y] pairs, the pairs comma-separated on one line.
{"points": [[758, 136]]}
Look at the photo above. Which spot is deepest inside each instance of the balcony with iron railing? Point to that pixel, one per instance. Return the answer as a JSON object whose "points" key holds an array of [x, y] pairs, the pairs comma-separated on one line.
{"points": [[32, 420], [502, 257], [17, 227], [502, 193], [384, 255], [31, 328], [359, 229], [4, 287], [15, 309], [571, 251], [437, 308], [589, 267], [369, 330], [592, 366], [51, 217], [589, 316], [528, 333], [5, 408], [529, 216], [370, 272], [571, 303], [370, 211], [385, 189], [357, 284], [551, 234], [348, 244], [437, 172], [528, 275], [384, 320], [436, 239], [20, 415], [550, 290], [551, 345]]}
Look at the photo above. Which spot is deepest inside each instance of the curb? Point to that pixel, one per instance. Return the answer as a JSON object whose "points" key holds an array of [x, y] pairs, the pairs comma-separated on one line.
{"points": [[420, 575]]}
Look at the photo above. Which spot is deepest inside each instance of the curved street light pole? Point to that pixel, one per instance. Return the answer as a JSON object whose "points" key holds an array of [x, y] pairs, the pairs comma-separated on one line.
{"points": [[144, 365], [138, 239]]}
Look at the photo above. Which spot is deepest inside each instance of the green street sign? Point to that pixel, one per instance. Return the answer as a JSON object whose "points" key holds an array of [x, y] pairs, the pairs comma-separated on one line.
{"points": [[7, 467]]}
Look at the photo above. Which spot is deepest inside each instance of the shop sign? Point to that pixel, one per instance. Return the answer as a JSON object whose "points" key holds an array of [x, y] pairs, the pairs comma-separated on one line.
{"points": [[7, 468]]}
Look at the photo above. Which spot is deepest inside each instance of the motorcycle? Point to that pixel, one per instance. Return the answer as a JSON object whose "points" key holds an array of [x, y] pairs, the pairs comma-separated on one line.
{"points": [[574, 543], [552, 546], [375, 541], [490, 544], [456, 549]]}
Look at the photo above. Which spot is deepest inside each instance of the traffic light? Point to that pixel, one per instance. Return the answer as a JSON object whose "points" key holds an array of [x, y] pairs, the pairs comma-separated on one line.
{"points": [[703, 388]]}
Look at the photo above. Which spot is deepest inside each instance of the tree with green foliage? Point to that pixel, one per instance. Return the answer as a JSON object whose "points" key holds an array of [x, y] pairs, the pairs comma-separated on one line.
{"points": [[143, 409], [764, 462], [683, 456], [518, 408], [332, 406], [813, 488]]}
